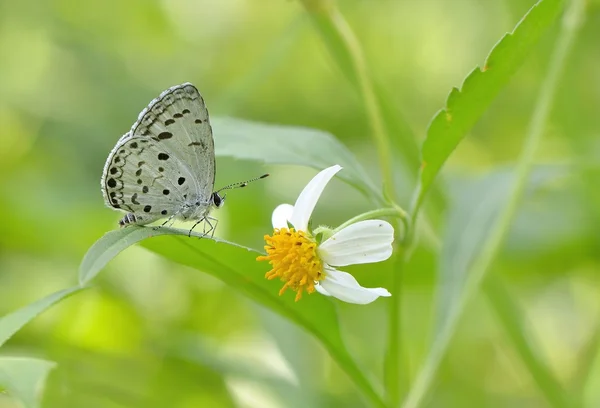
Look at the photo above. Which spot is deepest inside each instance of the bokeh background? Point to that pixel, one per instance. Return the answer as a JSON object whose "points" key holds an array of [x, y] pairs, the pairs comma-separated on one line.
{"points": [[150, 333]]}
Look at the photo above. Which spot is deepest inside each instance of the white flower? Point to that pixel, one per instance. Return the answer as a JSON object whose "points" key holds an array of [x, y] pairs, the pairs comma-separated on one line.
{"points": [[306, 265]]}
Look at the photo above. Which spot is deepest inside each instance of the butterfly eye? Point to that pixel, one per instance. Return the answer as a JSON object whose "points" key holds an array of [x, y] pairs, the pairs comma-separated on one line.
{"points": [[218, 200]]}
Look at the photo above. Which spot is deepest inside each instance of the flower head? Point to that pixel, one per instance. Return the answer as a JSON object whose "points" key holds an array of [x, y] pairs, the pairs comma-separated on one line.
{"points": [[306, 265]]}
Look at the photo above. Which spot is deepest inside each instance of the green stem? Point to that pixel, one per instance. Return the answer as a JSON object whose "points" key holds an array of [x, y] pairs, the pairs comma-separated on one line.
{"points": [[370, 101], [571, 22], [347, 50], [393, 360], [396, 212]]}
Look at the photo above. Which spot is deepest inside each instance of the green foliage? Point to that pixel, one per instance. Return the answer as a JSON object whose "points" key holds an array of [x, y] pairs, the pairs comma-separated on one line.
{"points": [[470, 221], [236, 266], [24, 378], [166, 325], [12, 322], [274, 144], [465, 106]]}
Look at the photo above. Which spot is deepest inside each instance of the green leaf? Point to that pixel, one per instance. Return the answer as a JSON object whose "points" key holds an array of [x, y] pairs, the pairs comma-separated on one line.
{"points": [[113, 242], [294, 345], [277, 144], [207, 354], [237, 267], [465, 106], [476, 206], [13, 322], [24, 378]]}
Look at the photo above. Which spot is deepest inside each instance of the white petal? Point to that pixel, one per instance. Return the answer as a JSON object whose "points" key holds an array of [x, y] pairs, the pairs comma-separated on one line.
{"points": [[321, 290], [308, 198], [281, 215], [343, 286], [363, 242]]}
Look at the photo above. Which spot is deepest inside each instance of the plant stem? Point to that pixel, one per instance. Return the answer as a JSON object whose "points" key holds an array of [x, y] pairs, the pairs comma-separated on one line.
{"points": [[393, 352], [571, 22], [345, 46], [370, 101], [396, 212]]}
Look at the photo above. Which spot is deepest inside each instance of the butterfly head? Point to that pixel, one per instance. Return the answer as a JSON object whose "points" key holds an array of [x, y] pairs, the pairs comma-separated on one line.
{"points": [[217, 199]]}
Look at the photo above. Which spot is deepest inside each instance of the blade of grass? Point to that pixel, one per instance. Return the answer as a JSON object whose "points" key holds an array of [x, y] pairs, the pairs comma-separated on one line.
{"points": [[569, 29]]}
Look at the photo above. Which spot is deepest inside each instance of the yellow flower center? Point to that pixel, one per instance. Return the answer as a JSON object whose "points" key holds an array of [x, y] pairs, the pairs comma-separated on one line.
{"points": [[293, 256]]}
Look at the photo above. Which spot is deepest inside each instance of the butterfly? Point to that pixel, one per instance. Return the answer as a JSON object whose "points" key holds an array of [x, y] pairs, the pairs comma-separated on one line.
{"points": [[164, 167]]}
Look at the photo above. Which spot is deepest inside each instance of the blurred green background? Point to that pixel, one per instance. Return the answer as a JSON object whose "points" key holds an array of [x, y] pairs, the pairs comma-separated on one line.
{"points": [[75, 75]]}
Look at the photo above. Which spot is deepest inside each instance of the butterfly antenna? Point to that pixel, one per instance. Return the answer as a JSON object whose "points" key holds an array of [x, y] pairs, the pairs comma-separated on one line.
{"points": [[241, 184]]}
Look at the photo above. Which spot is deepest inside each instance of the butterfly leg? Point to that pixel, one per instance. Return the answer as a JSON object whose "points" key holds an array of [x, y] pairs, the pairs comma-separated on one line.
{"points": [[168, 220], [212, 228], [205, 231], [195, 225]]}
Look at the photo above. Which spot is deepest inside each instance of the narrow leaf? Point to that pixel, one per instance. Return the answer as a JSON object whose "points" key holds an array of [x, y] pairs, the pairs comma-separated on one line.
{"points": [[208, 354], [464, 107], [113, 242], [473, 212], [24, 378], [277, 144], [237, 267], [474, 206], [13, 322]]}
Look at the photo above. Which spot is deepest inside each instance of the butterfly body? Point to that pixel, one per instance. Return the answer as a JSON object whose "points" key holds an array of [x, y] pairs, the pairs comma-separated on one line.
{"points": [[164, 167]]}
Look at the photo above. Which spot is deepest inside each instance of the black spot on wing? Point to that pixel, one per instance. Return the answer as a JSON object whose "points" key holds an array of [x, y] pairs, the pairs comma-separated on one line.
{"points": [[163, 156], [148, 208], [165, 135], [169, 122], [181, 180]]}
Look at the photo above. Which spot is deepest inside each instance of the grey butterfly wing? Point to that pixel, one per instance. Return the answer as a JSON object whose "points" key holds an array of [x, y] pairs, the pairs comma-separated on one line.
{"points": [[165, 161], [136, 179], [178, 120]]}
